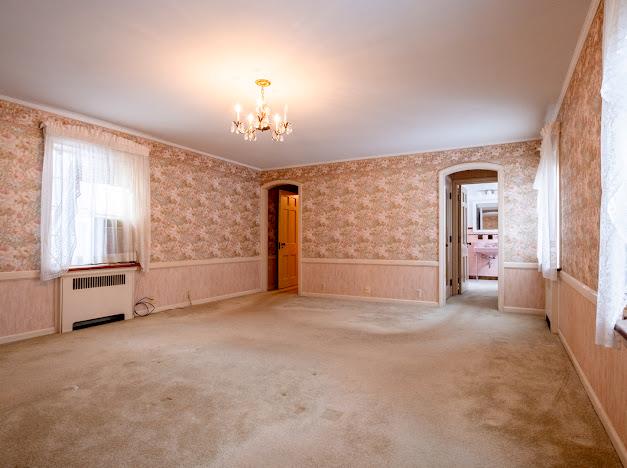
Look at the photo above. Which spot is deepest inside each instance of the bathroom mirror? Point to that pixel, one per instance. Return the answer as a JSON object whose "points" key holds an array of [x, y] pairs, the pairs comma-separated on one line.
{"points": [[487, 217]]}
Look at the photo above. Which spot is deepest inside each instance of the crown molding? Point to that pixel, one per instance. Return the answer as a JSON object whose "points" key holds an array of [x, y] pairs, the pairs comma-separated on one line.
{"points": [[111, 126], [398, 155]]}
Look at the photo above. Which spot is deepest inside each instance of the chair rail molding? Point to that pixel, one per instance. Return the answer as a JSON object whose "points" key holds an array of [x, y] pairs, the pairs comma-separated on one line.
{"points": [[34, 274], [581, 288], [521, 265], [372, 261], [209, 261], [17, 275]]}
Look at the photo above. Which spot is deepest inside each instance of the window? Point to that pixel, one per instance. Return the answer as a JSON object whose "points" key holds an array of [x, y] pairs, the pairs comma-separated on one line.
{"points": [[95, 200], [103, 213]]}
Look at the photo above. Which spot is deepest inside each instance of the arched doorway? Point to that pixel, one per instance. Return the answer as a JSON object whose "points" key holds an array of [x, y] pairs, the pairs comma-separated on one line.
{"points": [[444, 175], [263, 223]]}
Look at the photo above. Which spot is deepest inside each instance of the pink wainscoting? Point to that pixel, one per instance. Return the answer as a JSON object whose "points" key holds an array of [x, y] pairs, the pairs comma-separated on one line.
{"points": [[524, 288], [372, 280], [169, 286], [604, 368], [27, 305]]}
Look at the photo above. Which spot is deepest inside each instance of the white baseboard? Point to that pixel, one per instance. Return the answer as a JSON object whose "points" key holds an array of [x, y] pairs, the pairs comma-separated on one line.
{"points": [[369, 298], [27, 335], [598, 407], [206, 300], [523, 310]]}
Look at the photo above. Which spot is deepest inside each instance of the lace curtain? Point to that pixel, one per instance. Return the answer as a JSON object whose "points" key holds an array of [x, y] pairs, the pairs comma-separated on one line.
{"points": [[612, 288], [547, 186], [95, 200]]}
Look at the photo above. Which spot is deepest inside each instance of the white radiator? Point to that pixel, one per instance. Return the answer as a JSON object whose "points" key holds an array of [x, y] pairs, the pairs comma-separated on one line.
{"points": [[94, 294]]}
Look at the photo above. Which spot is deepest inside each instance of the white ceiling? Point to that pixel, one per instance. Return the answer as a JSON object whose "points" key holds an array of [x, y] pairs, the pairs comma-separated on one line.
{"points": [[361, 77]]}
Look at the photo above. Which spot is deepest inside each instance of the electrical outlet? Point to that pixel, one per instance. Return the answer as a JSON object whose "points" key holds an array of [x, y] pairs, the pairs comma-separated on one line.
{"points": [[419, 291], [367, 290]]}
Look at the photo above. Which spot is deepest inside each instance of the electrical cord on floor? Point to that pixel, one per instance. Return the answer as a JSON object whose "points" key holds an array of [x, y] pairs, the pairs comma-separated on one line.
{"points": [[146, 306]]}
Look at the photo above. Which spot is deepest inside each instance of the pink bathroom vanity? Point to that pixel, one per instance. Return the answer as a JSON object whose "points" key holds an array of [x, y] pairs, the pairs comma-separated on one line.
{"points": [[483, 254]]}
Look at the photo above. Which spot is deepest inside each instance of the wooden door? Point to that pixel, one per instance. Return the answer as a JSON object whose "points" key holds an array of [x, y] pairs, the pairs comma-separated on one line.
{"points": [[288, 239], [457, 239], [448, 188], [463, 234]]}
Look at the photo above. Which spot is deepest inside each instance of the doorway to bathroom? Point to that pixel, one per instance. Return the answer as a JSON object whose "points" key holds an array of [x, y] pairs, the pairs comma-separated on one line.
{"points": [[472, 235]]}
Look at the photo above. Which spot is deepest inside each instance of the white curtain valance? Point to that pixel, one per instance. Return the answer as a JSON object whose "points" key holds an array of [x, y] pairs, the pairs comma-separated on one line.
{"points": [[95, 136]]}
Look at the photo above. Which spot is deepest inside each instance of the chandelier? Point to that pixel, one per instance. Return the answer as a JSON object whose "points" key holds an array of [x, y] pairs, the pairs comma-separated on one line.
{"points": [[260, 120]]}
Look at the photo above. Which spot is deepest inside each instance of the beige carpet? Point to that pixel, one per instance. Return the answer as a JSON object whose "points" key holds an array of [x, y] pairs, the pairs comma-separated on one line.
{"points": [[280, 380]]}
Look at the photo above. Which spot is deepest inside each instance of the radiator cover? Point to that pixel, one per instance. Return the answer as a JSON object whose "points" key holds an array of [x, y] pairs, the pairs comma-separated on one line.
{"points": [[92, 294]]}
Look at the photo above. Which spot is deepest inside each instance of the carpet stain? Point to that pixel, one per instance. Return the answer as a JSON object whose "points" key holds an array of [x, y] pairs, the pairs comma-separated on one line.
{"points": [[331, 414]]}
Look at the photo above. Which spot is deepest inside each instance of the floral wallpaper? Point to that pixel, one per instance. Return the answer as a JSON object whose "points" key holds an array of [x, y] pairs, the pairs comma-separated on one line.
{"points": [[201, 207], [387, 208], [580, 161]]}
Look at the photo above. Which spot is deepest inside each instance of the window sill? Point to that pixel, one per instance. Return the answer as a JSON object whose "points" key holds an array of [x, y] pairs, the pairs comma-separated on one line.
{"points": [[621, 328], [104, 266]]}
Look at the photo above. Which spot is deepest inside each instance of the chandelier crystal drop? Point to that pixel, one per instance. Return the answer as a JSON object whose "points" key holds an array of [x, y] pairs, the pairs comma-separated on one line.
{"points": [[261, 120]]}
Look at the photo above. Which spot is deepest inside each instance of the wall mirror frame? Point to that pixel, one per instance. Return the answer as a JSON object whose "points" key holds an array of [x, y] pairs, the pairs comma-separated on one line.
{"points": [[486, 218]]}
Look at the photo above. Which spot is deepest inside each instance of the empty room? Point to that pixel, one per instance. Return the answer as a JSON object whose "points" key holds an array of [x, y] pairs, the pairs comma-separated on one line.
{"points": [[375, 233]]}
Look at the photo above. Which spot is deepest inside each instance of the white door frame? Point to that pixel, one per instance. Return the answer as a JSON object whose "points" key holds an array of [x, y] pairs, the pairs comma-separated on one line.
{"points": [[442, 230], [263, 226]]}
